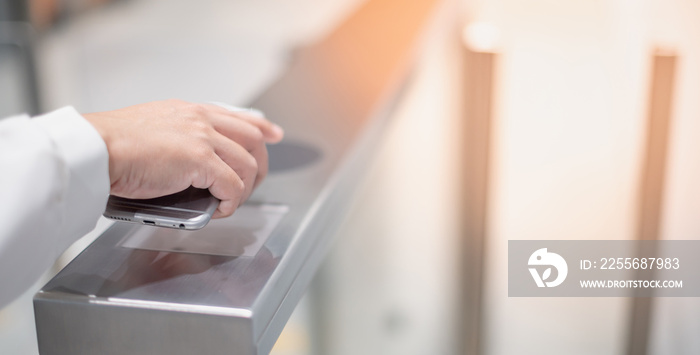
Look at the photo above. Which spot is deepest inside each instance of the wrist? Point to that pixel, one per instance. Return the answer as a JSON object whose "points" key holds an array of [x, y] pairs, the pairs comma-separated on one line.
{"points": [[101, 126], [95, 122]]}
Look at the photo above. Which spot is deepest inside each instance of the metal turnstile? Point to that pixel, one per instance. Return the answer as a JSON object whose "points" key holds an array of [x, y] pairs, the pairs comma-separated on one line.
{"points": [[231, 287]]}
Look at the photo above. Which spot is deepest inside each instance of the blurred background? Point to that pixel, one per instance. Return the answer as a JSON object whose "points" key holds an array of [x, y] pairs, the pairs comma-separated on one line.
{"points": [[524, 119]]}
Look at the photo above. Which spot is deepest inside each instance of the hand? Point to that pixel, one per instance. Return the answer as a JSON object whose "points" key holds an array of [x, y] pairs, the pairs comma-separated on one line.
{"points": [[159, 148]]}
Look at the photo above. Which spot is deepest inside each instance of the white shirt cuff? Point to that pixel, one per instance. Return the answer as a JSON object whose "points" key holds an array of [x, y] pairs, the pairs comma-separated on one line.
{"points": [[85, 154]]}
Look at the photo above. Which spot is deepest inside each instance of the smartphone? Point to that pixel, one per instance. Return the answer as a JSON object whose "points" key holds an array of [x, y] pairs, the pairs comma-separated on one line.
{"points": [[189, 209]]}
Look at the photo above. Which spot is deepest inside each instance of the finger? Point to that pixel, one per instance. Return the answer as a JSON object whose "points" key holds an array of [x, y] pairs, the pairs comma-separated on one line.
{"points": [[222, 182], [272, 133], [262, 158], [244, 133], [247, 136], [239, 159]]}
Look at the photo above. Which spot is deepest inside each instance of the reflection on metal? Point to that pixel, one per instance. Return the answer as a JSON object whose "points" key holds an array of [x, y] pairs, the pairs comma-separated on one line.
{"points": [[290, 155], [242, 234], [478, 86], [334, 98], [652, 185]]}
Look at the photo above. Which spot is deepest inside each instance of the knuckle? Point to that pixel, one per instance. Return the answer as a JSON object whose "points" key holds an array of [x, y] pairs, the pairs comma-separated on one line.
{"points": [[251, 163], [201, 153], [198, 179], [253, 139], [256, 136], [251, 136], [226, 209], [239, 185], [201, 129], [199, 125], [198, 109], [194, 111]]}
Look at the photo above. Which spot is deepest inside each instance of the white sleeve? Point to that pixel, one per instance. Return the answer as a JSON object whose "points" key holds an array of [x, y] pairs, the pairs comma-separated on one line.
{"points": [[54, 184]]}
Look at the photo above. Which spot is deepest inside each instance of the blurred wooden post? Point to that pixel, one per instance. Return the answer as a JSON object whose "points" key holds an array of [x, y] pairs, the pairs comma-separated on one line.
{"points": [[478, 85], [652, 184]]}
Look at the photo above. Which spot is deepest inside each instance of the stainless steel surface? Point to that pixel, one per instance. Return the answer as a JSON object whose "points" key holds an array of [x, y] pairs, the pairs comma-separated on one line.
{"points": [[251, 225], [333, 102]]}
